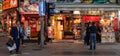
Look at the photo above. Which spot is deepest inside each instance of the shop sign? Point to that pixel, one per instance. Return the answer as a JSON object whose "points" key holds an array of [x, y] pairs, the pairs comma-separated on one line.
{"points": [[9, 4], [90, 18], [42, 8]]}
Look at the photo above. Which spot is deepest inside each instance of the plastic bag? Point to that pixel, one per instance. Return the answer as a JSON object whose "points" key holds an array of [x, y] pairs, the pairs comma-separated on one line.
{"points": [[12, 48]]}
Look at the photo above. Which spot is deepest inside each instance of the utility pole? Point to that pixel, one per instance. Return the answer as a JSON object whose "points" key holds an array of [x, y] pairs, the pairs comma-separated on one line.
{"points": [[42, 11], [42, 32]]}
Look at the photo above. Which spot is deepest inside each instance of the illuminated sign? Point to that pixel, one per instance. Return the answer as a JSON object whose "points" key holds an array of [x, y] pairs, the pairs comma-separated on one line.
{"points": [[9, 4], [90, 18]]}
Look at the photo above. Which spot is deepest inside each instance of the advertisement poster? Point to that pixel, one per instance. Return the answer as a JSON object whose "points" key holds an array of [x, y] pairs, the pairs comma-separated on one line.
{"points": [[29, 6]]}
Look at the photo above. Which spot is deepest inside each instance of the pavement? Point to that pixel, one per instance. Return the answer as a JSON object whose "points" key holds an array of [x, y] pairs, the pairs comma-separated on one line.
{"points": [[62, 49]]}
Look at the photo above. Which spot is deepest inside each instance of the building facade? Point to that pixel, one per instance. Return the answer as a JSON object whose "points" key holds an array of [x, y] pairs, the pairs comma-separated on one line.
{"points": [[70, 17]]}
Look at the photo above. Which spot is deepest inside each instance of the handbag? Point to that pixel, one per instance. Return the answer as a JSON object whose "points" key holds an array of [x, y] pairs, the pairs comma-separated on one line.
{"points": [[10, 43]]}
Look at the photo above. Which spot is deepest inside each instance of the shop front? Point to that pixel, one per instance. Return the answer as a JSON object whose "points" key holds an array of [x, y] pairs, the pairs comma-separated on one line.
{"points": [[31, 23], [10, 17], [29, 13], [9, 14], [105, 17]]}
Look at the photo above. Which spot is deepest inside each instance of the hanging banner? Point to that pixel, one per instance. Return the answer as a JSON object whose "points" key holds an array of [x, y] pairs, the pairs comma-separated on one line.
{"points": [[42, 8]]}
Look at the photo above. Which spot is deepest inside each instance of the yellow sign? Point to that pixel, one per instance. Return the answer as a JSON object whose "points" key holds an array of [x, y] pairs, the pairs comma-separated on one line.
{"points": [[0, 7]]}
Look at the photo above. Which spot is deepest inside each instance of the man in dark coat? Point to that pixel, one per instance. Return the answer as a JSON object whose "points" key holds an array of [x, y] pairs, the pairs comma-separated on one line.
{"points": [[15, 34]]}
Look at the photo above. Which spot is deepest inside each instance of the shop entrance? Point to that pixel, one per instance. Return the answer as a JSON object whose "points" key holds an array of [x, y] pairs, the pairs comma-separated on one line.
{"points": [[63, 27], [68, 28]]}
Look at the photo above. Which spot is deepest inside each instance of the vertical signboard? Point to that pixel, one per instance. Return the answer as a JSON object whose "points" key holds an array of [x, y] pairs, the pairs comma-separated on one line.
{"points": [[42, 8]]}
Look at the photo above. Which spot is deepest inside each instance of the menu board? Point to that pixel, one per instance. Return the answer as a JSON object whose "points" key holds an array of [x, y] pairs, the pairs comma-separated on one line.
{"points": [[108, 37]]}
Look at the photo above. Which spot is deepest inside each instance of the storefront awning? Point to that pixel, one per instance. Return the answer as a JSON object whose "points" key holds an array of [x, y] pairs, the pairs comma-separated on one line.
{"points": [[87, 7]]}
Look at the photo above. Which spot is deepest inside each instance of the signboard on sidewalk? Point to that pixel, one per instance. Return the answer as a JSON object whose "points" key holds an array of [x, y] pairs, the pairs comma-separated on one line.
{"points": [[42, 8], [108, 37]]}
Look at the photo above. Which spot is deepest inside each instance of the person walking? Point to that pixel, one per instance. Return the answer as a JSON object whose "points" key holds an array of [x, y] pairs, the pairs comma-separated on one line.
{"points": [[93, 36], [15, 31], [22, 34]]}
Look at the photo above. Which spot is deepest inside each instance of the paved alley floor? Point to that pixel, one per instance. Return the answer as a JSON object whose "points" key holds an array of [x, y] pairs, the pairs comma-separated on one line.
{"points": [[62, 49]]}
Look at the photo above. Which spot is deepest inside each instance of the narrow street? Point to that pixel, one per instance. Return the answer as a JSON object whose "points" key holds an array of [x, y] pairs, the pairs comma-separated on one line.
{"points": [[62, 49]]}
